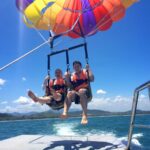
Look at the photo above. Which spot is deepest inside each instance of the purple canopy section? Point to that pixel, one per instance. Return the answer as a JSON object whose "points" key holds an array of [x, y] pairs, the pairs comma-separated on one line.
{"points": [[89, 21], [23, 4]]}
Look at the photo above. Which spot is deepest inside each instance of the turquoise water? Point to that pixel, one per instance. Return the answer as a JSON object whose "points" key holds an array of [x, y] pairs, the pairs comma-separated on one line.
{"points": [[113, 126]]}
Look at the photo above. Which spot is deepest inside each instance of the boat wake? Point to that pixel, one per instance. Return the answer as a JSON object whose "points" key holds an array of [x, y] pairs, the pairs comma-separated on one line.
{"points": [[71, 130]]}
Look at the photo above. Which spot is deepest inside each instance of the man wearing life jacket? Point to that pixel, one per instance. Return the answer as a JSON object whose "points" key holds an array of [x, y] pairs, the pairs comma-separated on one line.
{"points": [[79, 80], [56, 91]]}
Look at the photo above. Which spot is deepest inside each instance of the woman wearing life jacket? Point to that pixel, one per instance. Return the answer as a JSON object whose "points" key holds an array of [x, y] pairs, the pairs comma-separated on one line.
{"points": [[79, 80], [56, 92]]}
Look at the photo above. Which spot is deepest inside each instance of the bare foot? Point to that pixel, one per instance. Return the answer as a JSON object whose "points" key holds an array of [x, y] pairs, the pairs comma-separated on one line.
{"points": [[32, 96], [84, 120], [64, 116]]}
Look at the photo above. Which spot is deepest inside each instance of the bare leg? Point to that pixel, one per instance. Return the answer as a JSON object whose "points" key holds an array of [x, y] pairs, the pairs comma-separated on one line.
{"points": [[64, 114], [67, 104], [32, 96], [42, 100], [45, 100], [83, 102]]}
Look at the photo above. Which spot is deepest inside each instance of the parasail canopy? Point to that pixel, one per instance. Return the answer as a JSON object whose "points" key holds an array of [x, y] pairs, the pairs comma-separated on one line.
{"points": [[75, 18]]}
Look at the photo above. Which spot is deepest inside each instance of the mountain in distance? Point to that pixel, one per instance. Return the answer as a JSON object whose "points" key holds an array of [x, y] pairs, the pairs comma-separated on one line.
{"points": [[56, 114]]}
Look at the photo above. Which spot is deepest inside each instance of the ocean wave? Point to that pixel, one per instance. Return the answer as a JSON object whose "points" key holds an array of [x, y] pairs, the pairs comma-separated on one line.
{"points": [[101, 133], [64, 129], [135, 138], [137, 135], [135, 144], [72, 129]]}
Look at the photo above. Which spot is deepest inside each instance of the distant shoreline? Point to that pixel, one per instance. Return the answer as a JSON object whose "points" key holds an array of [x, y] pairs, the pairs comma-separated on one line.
{"points": [[90, 116]]}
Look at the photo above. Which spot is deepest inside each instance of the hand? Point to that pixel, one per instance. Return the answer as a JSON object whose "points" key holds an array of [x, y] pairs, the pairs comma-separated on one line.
{"points": [[52, 91], [87, 67], [47, 77], [67, 75], [45, 82]]}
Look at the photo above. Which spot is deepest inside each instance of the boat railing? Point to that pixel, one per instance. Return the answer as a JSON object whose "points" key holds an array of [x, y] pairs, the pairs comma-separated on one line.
{"points": [[133, 111]]}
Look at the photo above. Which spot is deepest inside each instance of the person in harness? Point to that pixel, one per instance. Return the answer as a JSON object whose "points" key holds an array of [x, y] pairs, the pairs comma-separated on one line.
{"points": [[80, 92], [55, 92]]}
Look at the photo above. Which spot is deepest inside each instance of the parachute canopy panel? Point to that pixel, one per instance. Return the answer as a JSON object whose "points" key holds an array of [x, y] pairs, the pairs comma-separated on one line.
{"points": [[79, 17]]}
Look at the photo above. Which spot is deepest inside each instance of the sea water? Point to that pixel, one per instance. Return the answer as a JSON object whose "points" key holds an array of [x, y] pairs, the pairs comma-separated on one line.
{"points": [[115, 126]]}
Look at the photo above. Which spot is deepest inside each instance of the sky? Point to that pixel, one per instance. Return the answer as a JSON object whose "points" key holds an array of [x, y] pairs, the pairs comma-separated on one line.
{"points": [[118, 57]]}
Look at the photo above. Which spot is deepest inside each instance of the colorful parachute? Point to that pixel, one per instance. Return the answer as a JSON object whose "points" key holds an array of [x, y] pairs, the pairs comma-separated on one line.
{"points": [[75, 18]]}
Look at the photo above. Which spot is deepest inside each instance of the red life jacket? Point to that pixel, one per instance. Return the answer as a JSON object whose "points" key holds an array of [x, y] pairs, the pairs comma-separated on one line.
{"points": [[79, 81], [58, 85]]}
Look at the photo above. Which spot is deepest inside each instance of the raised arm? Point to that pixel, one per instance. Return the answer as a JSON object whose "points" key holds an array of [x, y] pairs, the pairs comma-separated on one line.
{"points": [[45, 82], [68, 79], [91, 76]]}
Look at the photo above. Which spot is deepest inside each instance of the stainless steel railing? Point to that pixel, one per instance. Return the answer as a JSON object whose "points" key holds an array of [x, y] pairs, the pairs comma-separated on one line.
{"points": [[134, 108]]}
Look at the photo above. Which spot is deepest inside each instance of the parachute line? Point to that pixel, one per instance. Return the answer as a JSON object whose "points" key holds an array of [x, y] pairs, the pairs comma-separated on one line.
{"points": [[21, 57]]}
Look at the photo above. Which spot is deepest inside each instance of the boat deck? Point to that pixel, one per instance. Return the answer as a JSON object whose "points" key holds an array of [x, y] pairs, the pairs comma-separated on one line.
{"points": [[46, 142]]}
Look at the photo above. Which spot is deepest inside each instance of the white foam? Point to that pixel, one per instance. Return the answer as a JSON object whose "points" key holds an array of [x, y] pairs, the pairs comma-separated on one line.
{"points": [[69, 129], [138, 135], [134, 141], [101, 133], [135, 138], [64, 129]]}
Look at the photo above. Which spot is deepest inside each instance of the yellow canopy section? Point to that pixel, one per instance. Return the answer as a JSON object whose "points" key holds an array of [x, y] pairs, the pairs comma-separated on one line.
{"points": [[128, 3], [34, 13], [53, 11], [42, 14]]}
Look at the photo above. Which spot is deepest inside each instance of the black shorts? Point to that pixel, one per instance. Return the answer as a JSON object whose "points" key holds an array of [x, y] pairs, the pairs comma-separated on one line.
{"points": [[87, 93], [57, 104]]}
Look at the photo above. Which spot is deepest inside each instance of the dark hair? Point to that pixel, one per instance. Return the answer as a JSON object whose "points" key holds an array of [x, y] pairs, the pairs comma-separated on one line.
{"points": [[77, 62], [58, 70]]}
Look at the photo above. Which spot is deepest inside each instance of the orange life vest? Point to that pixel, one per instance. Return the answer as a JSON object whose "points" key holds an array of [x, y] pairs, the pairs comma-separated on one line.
{"points": [[58, 85], [79, 81]]}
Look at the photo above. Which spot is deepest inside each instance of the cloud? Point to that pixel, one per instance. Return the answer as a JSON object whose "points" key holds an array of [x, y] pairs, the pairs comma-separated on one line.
{"points": [[110, 104], [114, 104], [118, 103], [24, 108], [23, 105], [144, 102], [142, 96], [2, 82], [24, 79], [100, 91], [22, 100], [8, 109]]}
